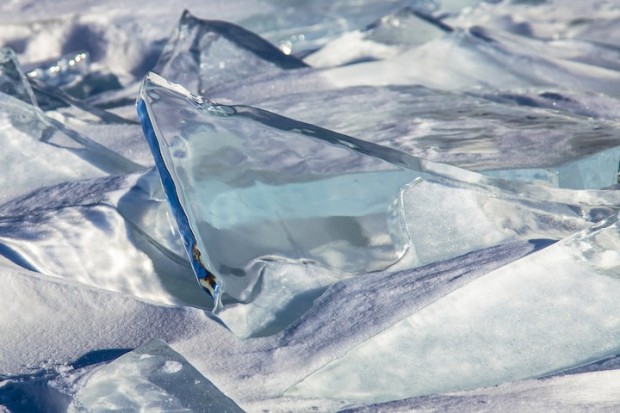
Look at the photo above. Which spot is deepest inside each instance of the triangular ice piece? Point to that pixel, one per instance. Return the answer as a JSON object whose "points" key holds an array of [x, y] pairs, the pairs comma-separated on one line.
{"points": [[12, 79], [249, 188], [201, 54]]}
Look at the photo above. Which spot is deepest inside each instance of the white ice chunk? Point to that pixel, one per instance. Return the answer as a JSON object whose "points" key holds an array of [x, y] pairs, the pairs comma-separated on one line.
{"points": [[152, 377]]}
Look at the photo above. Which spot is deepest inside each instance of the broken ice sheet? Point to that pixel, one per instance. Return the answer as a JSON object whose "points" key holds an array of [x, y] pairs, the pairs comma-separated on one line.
{"points": [[550, 311], [203, 53], [273, 210], [477, 60], [102, 230], [387, 37], [33, 154], [152, 377], [40, 151], [532, 142], [13, 82], [290, 193], [309, 25]]}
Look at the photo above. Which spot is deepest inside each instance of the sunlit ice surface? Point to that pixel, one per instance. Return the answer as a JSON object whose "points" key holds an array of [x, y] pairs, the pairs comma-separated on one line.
{"points": [[318, 206]]}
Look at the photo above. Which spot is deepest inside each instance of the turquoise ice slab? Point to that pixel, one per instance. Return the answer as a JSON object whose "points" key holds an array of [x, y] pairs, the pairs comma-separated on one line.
{"points": [[249, 188]]}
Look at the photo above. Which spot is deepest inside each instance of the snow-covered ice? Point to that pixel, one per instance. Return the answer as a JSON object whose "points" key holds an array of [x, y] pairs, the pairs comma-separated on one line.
{"points": [[332, 206]]}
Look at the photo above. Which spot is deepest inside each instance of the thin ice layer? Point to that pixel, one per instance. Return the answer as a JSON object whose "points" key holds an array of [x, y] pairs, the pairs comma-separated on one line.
{"points": [[39, 151], [554, 137], [152, 377], [248, 187], [550, 311], [32, 153], [204, 53]]}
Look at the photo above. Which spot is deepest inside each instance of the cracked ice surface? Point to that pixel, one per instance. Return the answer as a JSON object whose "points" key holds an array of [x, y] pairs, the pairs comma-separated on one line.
{"points": [[396, 205]]}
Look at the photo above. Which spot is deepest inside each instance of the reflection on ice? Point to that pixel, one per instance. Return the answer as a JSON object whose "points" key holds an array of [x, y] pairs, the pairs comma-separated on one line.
{"points": [[62, 72], [521, 136], [121, 229]]}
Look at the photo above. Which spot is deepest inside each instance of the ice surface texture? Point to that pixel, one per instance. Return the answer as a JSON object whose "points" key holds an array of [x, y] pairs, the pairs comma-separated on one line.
{"points": [[203, 53], [152, 376], [249, 188], [461, 239], [520, 136], [564, 291], [273, 210]]}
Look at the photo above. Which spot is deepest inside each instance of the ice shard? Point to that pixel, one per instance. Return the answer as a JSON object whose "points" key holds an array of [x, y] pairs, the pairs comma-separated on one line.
{"points": [[103, 229], [308, 26], [547, 136], [152, 377], [204, 53], [550, 311], [35, 153], [249, 188], [272, 210], [12, 79], [477, 60]]}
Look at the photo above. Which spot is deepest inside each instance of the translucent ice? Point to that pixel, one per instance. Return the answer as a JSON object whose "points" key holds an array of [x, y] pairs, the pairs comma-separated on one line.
{"points": [[40, 151], [63, 71], [309, 25], [33, 154], [477, 60], [387, 37], [549, 311], [514, 135], [248, 188], [102, 229], [152, 377], [269, 219], [204, 53], [12, 79]]}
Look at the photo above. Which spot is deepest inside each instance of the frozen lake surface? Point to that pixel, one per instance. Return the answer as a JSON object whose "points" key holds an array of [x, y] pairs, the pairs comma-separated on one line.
{"points": [[327, 206]]}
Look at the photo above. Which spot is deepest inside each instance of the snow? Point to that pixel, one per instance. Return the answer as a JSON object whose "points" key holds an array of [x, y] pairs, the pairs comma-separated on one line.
{"points": [[486, 279]]}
